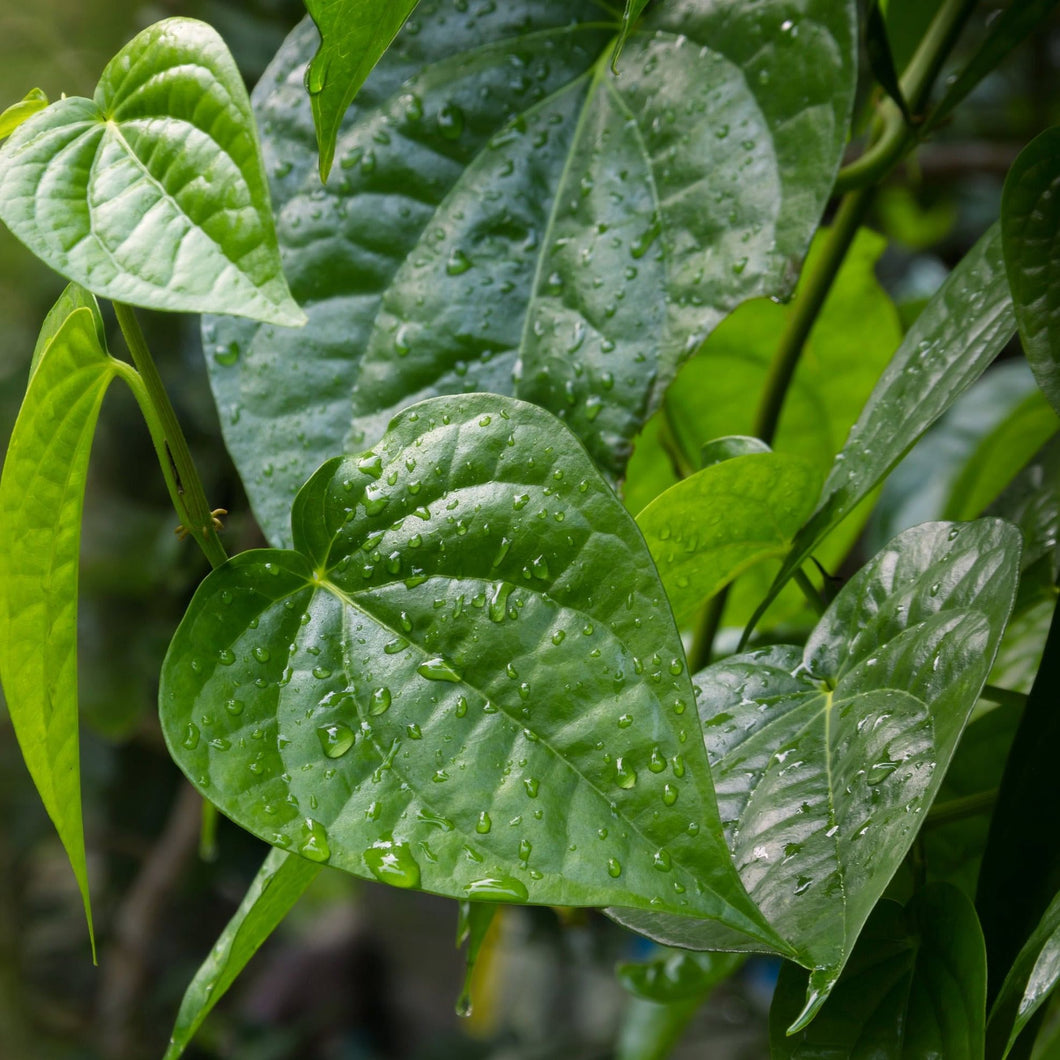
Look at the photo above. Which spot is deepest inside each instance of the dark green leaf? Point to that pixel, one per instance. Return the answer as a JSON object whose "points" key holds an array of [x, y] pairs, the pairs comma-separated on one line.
{"points": [[41, 499], [634, 9], [650, 1030], [907, 23], [153, 191], [715, 524], [878, 47], [10, 119], [354, 34], [507, 215], [915, 987], [1030, 216], [465, 679], [951, 344], [827, 758], [280, 882], [678, 976]]}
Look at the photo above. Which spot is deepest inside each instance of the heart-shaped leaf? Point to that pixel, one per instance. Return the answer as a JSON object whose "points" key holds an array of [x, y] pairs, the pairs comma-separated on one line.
{"points": [[152, 192], [41, 497], [915, 987], [466, 678], [507, 215], [1030, 214], [353, 36], [826, 758]]}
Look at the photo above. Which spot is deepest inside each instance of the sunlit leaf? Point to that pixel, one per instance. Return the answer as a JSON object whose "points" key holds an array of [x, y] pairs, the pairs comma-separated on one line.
{"points": [[17, 113], [152, 192], [465, 679]]}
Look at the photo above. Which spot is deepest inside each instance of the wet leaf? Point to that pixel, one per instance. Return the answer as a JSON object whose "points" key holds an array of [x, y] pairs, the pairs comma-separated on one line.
{"points": [[950, 345], [915, 987], [465, 679], [1030, 214], [507, 215], [280, 882], [826, 758], [41, 499], [354, 34], [11, 118], [152, 192], [1029, 983]]}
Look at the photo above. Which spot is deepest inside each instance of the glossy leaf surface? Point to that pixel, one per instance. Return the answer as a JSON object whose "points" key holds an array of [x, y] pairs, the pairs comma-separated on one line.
{"points": [[915, 987], [1030, 216], [354, 34], [826, 758], [950, 345], [17, 113], [717, 523], [634, 9], [41, 499], [507, 215], [465, 679], [152, 192], [1032, 979], [279, 883]]}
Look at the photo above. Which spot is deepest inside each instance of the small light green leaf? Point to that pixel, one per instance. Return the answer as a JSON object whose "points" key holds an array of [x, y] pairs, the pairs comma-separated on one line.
{"points": [[465, 679], [41, 498], [354, 34], [715, 524], [280, 882], [950, 345], [153, 191], [915, 987], [10, 119], [826, 758], [677, 975], [473, 924], [508, 216], [1030, 215], [634, 9], [1029, 983]]}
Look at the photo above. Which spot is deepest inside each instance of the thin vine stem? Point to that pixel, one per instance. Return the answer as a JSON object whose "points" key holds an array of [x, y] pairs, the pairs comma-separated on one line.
{"points": [[178, 468]]}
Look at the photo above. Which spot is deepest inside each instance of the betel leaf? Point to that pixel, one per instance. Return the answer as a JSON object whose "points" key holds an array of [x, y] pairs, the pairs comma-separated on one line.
{"points": [[41, 499], [915, 987], [353, 36], [1031, 980], [717, 523], [959, 333], [634, 9], [152, 192], [11, 118], [280, 882], [1030, 214], [678, 975], [508, 215], [826, 758], [466, 679]]}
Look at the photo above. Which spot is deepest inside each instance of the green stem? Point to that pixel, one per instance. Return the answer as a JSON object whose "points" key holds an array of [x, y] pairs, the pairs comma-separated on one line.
{"points": [[706, 630], [1006, 697], [958, 809], [208, 832], [178, 468], [809, 590], [811, 298]]}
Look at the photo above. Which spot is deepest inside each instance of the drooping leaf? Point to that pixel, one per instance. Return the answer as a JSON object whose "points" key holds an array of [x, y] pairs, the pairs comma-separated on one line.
{"points": [[41, 499], [473, 924], [11, 118], [634, 9], [152, 192], [650, 1030], [826, 758], [280, 882], [717, 523], [1030, 214], [353, 36], [1031, 980], [507, 215], [678, 975], [465, 679], [950, 345], [915, 987]]}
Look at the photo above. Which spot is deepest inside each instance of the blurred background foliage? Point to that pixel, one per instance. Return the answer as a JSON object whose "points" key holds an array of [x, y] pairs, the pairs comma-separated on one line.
{"points": [[357, 971]]}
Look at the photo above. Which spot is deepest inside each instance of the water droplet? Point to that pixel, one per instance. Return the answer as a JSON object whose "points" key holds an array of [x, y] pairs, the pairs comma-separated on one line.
{"points": [[335, 739], [461, 707], [262, 654], [661, 860], [316, 76], [321, 673], [191, 737], [614, 868], [669, 794], [497, 889], [392, 862], [227, 355], [234, 707], [483, 824], [520, 501], [625, 775], [625, 721], [657, 761], [539, 568], [379, 702], [226, 656], [437, 669], [451, 121], [532, 786], [314, 845], [498, 606], [558, 637], [393, 647]]}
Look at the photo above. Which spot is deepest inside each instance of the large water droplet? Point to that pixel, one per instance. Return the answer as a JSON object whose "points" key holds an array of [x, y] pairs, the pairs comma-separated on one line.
{"points": [[335, 739], [451, 121], [379, 703], [314, 844], [498, 606], [392, 862], [497, 889], [614, 868], [191, 737], [483, 824], [437, 669], [625, 774]]}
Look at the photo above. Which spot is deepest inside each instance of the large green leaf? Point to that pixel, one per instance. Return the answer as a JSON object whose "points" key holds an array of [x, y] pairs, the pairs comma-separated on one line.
{"points": [[152, 192], [826, 758], [915, 987], [280, 882], [507, 215], [1033, 977], [717, 523], [949, 346], [353, 36], [41, 499], [1030, 215], [466, 678]]}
